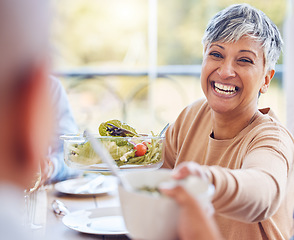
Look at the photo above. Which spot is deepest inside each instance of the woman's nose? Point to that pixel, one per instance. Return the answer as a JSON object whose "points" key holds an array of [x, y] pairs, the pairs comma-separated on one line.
{"points": [[226, 70]]}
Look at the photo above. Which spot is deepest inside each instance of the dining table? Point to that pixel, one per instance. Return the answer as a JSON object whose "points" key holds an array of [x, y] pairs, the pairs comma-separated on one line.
{"points": [[51, 223]]}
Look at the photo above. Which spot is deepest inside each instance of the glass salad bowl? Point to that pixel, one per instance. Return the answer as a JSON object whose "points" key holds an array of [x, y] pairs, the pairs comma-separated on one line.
{"points": [[136, 152]]}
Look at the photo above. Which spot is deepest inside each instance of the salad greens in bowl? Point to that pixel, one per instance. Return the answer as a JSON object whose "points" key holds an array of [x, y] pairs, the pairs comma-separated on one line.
{"points": [[129, 149]]}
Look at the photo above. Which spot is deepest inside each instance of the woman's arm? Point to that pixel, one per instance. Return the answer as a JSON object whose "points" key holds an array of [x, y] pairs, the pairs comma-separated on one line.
{"points": [[254, 192]]}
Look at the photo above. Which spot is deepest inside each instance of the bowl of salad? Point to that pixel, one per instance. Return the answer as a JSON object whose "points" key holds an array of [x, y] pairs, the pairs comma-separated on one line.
{"points": [[150, 215], [129, 149]]}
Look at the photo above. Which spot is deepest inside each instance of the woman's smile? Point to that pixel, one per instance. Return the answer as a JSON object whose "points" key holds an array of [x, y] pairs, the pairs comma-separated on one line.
{"points": [[224, 90]]}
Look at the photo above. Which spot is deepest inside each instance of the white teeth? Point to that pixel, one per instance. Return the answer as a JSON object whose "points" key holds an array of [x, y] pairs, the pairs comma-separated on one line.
{"points": [[224, 89]]}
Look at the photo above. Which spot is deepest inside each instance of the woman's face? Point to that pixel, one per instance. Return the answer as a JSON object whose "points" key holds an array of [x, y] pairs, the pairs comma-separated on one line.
{"points": [[233, 74]]}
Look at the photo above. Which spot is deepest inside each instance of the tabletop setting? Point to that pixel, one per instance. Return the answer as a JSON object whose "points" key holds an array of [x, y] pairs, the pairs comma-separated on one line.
{"points": [[86, 151], [117, 196]]}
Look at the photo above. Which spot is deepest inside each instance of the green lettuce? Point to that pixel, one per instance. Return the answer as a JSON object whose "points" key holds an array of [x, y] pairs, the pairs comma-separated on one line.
{"points": [[117, 128]]}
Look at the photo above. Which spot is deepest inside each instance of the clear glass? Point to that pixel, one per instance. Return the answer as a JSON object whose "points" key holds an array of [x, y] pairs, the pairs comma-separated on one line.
{"points": [[78, 152], [30, 201], [35, 199]]}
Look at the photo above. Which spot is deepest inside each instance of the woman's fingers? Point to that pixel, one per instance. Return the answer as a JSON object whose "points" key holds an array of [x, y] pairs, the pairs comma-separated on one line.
{"points": [[179, 194], [189, 168]]}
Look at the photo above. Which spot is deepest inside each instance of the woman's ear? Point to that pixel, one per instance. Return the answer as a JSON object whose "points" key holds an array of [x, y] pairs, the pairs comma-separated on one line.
{"points": [[267, 80]]}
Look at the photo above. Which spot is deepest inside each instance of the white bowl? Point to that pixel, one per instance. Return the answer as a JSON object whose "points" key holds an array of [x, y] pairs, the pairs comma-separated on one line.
{"points": [[151, 216]]}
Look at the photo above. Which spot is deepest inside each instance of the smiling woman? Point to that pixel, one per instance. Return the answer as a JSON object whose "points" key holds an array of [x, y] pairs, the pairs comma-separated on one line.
{"points": [[233, 74], [244, 151]]}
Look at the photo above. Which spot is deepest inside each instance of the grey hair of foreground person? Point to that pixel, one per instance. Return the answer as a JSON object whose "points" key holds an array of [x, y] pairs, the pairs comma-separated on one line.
{"points": [[239, 20]]}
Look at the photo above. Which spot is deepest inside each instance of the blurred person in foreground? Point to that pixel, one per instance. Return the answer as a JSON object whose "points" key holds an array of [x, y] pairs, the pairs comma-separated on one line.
{"points": [[244, 151], [25, 108]]}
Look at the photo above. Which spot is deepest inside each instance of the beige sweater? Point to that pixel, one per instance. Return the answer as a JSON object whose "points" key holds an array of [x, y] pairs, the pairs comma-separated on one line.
{"points": [[252, 173]]}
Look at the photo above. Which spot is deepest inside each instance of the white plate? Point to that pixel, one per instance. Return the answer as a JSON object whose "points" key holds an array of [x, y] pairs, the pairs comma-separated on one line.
{"points": [[102, 167], [70, 186], [101, 221]]}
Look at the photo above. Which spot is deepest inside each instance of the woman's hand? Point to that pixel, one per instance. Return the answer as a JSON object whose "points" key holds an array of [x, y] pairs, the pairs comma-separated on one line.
{"points": [[185, 169], [193, 222]]}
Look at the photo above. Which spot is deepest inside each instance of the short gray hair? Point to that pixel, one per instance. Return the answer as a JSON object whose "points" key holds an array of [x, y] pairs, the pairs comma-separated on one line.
{"points": [[238, 20]]}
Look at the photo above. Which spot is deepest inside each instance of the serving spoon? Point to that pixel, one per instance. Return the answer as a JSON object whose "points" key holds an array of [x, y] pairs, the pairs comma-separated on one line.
{"points": [[163, 130], [107, 159]]}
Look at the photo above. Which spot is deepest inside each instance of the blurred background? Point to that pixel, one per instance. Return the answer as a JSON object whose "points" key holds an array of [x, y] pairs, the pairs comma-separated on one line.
{"points": [[139, 61]]}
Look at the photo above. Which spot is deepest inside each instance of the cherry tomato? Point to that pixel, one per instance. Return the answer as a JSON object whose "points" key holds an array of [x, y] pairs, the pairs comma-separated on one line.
{"points": [[141, 149]]}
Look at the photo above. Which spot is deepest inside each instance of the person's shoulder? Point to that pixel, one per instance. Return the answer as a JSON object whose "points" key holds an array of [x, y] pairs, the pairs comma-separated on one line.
{"points": [[269, 132], [191, 114], [270, 119], [55, 83], [199, 105], [269, 113], [269, 126]]}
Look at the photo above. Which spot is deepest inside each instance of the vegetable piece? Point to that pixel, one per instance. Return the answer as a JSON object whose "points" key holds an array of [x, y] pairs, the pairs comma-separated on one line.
{"points": [[116, 128], [141, 149], [85, 151]]}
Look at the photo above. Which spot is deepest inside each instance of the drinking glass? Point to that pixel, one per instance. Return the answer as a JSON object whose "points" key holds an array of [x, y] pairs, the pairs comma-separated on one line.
{"points": [[35, 197], [30, 201]]}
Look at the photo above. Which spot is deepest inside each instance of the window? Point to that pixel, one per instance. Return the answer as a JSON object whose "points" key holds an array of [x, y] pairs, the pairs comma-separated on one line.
{"points": [[139, 61]]}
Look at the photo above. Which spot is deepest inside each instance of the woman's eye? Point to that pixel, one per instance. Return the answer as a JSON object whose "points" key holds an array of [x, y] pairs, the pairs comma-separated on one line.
{"points": [[245, 60], [215, 54]]}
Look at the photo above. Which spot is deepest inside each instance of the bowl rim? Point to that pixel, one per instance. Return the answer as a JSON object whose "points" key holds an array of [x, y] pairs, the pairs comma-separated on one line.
{"points": [[81, 137]]}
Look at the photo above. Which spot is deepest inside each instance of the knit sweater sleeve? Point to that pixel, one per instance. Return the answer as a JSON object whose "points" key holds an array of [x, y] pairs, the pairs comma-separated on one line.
{"points": [[255, 192]]}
